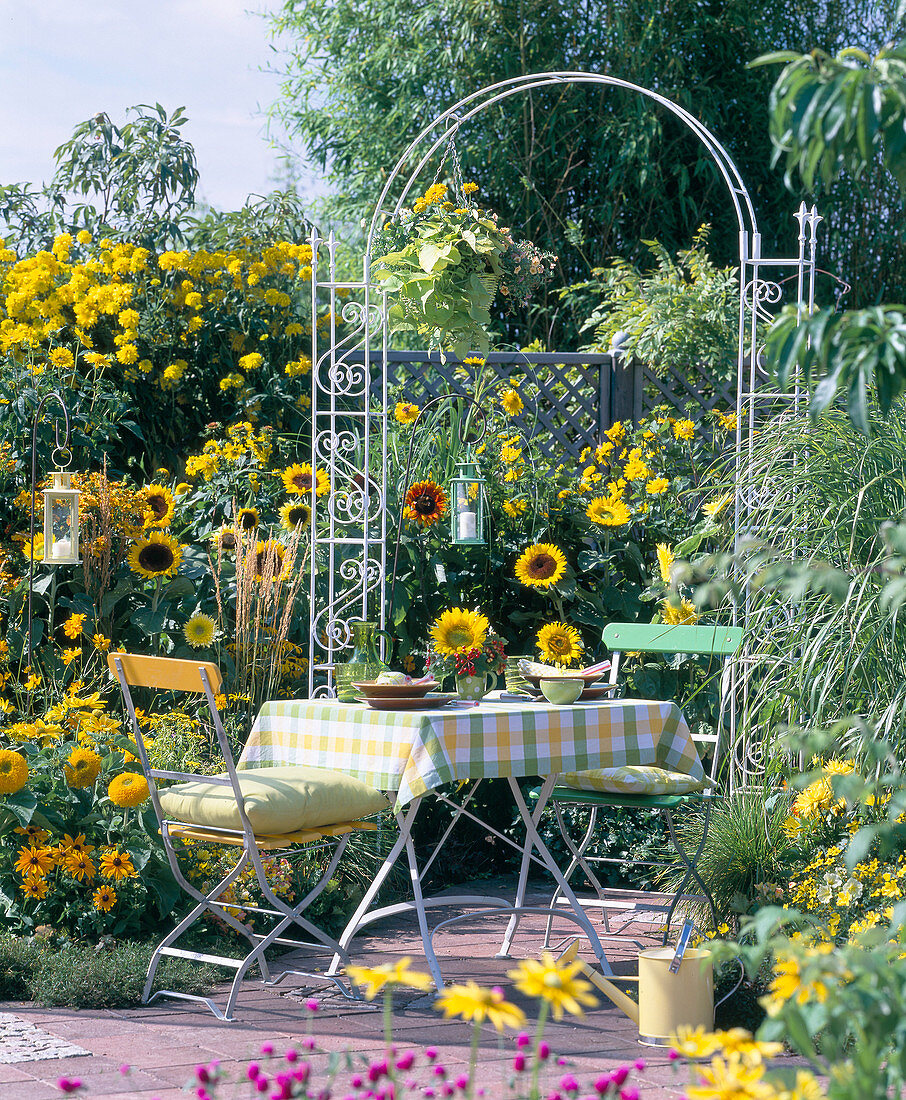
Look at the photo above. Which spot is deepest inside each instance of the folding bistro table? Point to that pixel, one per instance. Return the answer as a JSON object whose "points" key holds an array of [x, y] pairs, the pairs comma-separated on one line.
{"points": [[414, 754]]}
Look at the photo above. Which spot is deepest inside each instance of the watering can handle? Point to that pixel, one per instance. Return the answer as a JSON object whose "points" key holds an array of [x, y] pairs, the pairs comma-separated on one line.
{"points": [[681, 944], [742, 974]]}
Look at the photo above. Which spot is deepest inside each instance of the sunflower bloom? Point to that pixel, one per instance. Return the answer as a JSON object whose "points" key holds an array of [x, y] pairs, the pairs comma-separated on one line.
{"points": [[555, 982], [684, 429], [515, 508], [713, 508], [128, 789], [458, 630], [608, 512], [388, 975], [158, 504], [425, 503], [13, 771], [158, 555], [295, 514], [541, 566], [104, 899], [224, 539], [270, 562], [199, 630], [299, 478], [82, 768], [512, 403], [117, 865], [472, 1002], [732, 1078], [664, 561], [684, 615], [559, 644], [405, 412]]}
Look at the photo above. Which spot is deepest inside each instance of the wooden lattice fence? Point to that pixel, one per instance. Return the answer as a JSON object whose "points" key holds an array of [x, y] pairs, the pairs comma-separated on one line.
{"points": [[579, 395]]}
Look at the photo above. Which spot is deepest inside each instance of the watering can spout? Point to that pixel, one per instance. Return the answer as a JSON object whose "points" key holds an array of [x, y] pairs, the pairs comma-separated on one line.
{"points": [[625, 1004]]}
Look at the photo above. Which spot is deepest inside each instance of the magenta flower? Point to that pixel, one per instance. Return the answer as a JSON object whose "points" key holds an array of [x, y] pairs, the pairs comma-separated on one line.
{"points": [[519, 1063], [69, 1084], [569, 1083]]}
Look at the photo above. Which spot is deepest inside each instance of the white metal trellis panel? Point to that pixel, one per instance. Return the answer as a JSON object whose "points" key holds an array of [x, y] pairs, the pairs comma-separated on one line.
{"points": [[349, 443], [766, 285]]}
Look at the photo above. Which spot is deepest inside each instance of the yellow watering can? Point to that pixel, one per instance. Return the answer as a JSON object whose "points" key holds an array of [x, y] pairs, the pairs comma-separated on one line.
{"points": [[676, 989]]}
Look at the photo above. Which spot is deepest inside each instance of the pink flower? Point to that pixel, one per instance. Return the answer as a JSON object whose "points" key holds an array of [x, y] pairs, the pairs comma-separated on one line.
{"points": [[406, 1061], [267, 1048], [431, 1053], [124, 1069], [519, 1063], [252, 1071], [291, 1056], [544, 1052], [69, 1084], [620, 1075], [629, 1094], [640, 1065], [312, 1005], [462, 1082], [603, 1083], [523, 1040], [673, 1055], [569, 1083]]}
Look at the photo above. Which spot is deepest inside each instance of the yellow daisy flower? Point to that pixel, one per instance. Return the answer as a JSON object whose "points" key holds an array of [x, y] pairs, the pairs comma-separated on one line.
{"points": [[512, 403], [13, 771], [388, 975], [555, 982], [128, 789], [199, 630], [405, 412], [472, 1002]]}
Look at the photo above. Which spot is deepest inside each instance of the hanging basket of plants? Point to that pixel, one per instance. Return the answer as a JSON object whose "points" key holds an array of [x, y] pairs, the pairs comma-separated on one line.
{"points": [[445, 264]]}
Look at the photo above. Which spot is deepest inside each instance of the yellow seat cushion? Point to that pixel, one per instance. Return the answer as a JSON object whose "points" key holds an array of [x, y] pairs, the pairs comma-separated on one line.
{"points": [[277, 800], [633, 779]]}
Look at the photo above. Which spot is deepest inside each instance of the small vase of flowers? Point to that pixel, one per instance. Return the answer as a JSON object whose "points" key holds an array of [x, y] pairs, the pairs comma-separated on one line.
{"points": [[465, 647]]}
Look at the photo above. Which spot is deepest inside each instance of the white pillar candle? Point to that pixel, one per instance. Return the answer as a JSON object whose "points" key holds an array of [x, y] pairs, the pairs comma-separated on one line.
{"points": [[62, 548], [467, 525]]}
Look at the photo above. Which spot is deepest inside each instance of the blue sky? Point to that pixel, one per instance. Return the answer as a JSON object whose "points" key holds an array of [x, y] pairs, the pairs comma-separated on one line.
{"points": [[62, 61]]}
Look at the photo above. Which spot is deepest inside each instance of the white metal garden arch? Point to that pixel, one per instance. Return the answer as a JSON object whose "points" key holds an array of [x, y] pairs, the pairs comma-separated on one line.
{"points": [[349, 376]]}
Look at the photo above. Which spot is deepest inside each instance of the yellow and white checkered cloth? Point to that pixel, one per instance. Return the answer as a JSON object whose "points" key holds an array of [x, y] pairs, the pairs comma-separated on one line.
{"points": [[411, 752]]}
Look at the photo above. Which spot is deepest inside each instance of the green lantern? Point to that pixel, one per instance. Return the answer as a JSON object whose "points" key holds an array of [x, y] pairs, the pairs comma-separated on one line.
{"points": [[467, 520]]}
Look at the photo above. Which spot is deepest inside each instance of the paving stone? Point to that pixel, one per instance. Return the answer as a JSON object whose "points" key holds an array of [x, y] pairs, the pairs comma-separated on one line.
{"points": [[23, 1041]]}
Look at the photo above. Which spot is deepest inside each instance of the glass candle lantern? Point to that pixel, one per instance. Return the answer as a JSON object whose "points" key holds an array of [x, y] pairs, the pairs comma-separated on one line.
{"points": [[61, 520], [467, 505]]}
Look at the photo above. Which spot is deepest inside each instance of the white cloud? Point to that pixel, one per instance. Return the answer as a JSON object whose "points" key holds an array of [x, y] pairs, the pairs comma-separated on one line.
{"points": [[64, 61]]}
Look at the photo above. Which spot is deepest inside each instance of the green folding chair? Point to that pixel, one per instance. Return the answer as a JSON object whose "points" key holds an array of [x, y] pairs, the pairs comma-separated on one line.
{"points": [[666, 791]]}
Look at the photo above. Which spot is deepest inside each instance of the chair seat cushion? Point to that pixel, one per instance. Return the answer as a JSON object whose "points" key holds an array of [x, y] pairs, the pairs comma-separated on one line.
{"points": [[633, 779], [277, 800]]}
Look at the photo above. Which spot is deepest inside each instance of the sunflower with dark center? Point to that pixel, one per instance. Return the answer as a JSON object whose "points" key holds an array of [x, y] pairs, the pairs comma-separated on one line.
{"points": [[294, 514], [541, 565], [425, 503], [158, 555], [300, 477], [224, 539], [158, 505], [269, 563], [247, 519]]}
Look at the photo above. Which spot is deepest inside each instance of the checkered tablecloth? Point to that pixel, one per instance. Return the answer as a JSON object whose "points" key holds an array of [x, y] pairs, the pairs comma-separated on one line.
{"points": [[411, 752]]}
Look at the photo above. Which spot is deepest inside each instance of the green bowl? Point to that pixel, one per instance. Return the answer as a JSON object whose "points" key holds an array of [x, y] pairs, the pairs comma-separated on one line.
{"points": [[562, 691]]}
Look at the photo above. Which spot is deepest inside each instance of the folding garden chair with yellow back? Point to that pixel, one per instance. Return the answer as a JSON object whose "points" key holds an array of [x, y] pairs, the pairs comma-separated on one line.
{"points": [[266, 810]]}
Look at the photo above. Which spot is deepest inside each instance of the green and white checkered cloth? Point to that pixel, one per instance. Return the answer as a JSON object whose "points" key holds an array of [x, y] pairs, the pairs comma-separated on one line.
{"points": [[411, 752]]}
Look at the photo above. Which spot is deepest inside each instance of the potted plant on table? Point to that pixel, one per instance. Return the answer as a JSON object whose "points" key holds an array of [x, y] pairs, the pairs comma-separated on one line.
{"points": [[445, 264], [464, 646]]}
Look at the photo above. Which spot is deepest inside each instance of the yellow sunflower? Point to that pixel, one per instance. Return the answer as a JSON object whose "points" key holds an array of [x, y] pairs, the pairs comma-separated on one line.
{"points": [[555, 982], [104, 899], [425, 503], [473, 1002], [224, 539], [13, 771], [515, 508], [128, 789], [82, 768], [199, 630], [559, 644], [269, 561], [664, 561], [247, 519], [457, 630], [608, 512], [158, 555], [541, 565], [295, 514], [684, 615], [298, 479], [512, 403], [405, 412], [158, 505]]}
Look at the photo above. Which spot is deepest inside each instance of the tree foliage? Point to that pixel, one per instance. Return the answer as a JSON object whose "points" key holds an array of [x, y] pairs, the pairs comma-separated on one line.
{"points": [[585, 171]]}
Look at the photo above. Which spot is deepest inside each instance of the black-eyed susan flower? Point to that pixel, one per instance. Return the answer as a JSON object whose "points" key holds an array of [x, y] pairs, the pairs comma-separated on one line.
{"points": [[128, 789], [82, 767], [300, 477], [117, 865], [425, 503], [159, 555], [295, 514], [35, 887], [541, 565], [559, 643], [79, 865], [36, 861], [199, 630], [13, 771], [104, 899], [458, 630]]}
